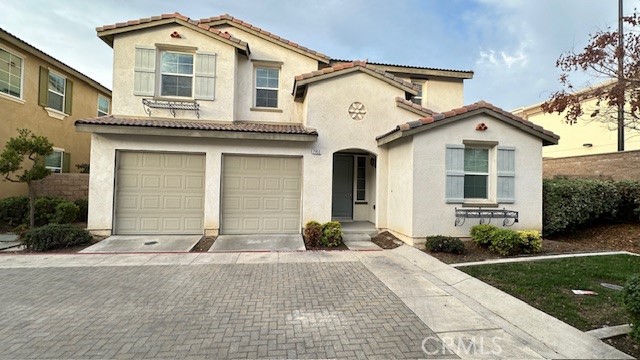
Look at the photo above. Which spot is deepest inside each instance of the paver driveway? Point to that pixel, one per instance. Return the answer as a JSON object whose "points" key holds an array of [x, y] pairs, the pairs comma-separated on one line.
{"points": [[386, 304]]}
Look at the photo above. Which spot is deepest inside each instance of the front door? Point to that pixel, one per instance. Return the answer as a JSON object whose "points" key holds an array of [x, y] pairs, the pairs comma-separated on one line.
{"points": [[342, 200]]}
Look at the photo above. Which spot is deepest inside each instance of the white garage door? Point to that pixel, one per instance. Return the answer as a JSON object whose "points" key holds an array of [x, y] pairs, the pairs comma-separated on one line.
{"points": [[261, 195], [159, 193]]}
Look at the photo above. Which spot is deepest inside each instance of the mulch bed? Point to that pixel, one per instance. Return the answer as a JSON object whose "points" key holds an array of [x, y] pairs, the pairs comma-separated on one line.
{"points": [[386, 240], [204, 244], [600, 237]]}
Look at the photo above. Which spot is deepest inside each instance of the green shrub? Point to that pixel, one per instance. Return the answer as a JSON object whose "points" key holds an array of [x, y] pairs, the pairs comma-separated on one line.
{"points": [[83, 207], [568, 204], [312, 234], [629, 205], [447, 244], [55, 236], [505, 242], [66, 213], [46, 209], [331, 234], [631, 299], [483, 234], [530, 241], [14, 210]]}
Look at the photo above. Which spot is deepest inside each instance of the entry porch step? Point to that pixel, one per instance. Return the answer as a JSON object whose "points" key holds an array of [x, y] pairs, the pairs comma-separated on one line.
{"points": [[359, 241], [359, 227]]}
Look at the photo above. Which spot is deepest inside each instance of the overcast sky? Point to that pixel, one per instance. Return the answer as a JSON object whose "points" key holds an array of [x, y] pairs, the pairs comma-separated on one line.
{"points": [[511, 45]]}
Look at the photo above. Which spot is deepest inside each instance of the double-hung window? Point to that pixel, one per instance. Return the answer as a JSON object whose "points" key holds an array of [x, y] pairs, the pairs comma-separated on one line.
{"points": [[56, 95], [267, 80], [176, 77], [10, 74], [476, 173], [103, 106]]}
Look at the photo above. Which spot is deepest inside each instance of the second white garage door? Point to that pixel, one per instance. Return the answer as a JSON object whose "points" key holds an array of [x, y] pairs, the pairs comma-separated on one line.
{"points": [[261, 195]]}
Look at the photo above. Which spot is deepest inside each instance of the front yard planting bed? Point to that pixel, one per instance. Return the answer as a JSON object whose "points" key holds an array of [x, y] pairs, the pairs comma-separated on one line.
{"points": [[547, 285]]}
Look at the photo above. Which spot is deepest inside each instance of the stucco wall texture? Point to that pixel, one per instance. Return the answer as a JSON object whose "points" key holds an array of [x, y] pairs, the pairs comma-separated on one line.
{"points": [[616, 166]]}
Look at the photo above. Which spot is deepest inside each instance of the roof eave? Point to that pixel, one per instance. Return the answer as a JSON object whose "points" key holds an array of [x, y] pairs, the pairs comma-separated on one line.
{"points": [[219, 134]]}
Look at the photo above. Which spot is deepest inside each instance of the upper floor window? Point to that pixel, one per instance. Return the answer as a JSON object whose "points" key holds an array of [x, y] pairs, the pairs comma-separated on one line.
{"points": [[417, 99], [267, 83], [55, 97], [103, 106], [10, 74], [176, 76]]}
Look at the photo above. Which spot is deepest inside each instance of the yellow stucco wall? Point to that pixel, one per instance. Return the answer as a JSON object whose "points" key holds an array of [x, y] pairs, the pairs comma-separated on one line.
{"points": [[27, 113], [574, 138]]}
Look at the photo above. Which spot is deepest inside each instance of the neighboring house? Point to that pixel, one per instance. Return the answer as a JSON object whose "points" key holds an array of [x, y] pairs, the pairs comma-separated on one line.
{"points": [[586, 137], [221, 127], [46, 96]]}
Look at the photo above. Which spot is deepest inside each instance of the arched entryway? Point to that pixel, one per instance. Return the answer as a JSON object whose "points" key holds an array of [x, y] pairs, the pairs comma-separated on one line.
{"points": [[353, 195]]}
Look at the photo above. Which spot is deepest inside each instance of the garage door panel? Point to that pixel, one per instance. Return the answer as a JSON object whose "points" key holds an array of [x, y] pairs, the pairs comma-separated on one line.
{"points": [[157, 192], [258, 205]]}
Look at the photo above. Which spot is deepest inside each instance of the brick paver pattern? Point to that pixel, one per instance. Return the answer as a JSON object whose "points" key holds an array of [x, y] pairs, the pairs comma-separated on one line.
{"points": [[310, 310]]}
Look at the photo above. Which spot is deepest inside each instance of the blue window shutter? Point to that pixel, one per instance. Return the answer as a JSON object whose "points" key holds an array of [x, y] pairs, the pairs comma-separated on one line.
{"points": [[205, 76], [454, 165], [506, 174]]}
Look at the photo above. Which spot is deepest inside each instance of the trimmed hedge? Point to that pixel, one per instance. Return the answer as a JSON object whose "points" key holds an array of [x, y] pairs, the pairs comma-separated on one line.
{"points": [[506, 241], [15, 210], [55, 236], [312, 233], [331, 234], [569, 203], [631, 299], [446, 244]]}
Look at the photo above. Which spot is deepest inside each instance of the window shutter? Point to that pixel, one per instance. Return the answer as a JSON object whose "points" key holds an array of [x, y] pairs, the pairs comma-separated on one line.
{"points": [[454, 163], [506, 174], [43, 92], [144, 77], [68, 97], [205, 76], [66, 161]]}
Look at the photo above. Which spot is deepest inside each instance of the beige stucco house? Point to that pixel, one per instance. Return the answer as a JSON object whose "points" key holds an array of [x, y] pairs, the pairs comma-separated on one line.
{"points": [[219, 126], [586, 137], [46, 96]]}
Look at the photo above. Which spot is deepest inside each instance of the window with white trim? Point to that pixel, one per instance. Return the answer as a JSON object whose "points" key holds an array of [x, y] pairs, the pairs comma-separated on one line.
{"points": [[56, 91], [55, 161], [103, 106], [476, 173], [11, 74], [267, 83], [176, 74]]}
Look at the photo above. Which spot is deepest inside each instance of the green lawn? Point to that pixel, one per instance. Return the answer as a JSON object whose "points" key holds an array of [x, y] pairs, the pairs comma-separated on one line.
{"points": [[547, 286]]}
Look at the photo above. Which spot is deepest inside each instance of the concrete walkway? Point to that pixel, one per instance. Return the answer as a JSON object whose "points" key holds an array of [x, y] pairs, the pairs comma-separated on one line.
{"points": [[291, 242], [456, 314]]}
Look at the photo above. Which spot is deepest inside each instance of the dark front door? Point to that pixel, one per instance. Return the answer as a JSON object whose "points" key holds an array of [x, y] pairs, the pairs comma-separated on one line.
{"points": [[342, 199]]}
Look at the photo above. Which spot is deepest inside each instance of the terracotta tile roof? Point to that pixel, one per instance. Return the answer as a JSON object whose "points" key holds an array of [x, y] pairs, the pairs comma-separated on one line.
{"points": [[335, 70], [478, 107], [418, 109], [338, 61], [112, 120], [235, 21], [177, 16]]}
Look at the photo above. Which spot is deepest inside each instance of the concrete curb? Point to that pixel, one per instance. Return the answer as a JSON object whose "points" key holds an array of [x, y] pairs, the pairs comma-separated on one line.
{"points": [[545, 257], [610, 331]]}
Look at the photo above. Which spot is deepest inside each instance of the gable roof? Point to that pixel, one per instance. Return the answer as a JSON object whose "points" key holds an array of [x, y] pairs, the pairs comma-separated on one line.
{"points": [[301, 81], [107, 32], [227, 19], [416, 71], [28, 48], [481, 107], [413, 107]]}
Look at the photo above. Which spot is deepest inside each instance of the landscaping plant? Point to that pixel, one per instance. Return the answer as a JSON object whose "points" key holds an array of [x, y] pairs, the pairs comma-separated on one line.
{"points": [[55, 236], [483, 234], [312, 233], [331, 234], [530, 241], [631, 299], [14, 210], [83, 209], [505, 242], [447, 244]]}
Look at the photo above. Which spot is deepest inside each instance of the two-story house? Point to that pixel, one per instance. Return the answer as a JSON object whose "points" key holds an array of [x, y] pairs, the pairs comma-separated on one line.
{"points": [[46, 96], [219, 126]]}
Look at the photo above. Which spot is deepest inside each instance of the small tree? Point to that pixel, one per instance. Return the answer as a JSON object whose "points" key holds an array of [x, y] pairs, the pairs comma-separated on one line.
{"points": [[599, 59], [35, 148]]}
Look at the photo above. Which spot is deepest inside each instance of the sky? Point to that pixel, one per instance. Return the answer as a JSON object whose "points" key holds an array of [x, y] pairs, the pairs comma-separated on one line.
{"points": [[511, 45]]}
